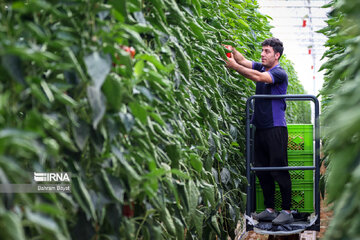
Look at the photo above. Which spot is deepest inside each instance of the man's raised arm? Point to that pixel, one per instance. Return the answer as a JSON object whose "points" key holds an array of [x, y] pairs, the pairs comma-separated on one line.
{"points": [[243, 66], [240, 59]]}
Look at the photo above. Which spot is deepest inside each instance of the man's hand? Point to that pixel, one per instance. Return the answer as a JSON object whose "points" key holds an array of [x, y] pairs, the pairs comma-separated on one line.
{"points": [[228, 47], [231, 62], [240, 59], [237, 55]]}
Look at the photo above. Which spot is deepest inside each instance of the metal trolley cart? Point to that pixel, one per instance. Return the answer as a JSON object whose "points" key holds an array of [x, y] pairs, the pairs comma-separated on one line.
{"points": [[307, 184]]}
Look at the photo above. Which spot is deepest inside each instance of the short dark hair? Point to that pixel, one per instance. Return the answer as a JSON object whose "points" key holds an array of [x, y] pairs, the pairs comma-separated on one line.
{"points": [[275, 43]]}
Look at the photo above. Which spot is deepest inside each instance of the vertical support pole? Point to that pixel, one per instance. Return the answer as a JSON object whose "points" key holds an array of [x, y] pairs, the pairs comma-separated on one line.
{"points": [[250, 184], [248, 155], [252, 157], [317, 163]]}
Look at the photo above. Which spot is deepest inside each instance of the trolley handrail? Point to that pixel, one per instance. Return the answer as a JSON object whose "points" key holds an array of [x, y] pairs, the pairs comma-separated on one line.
{"points": [[316, 168], [282, 168]]}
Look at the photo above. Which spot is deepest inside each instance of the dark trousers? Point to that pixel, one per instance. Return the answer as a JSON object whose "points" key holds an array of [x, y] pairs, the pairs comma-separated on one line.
{"points": [[270, 150]]}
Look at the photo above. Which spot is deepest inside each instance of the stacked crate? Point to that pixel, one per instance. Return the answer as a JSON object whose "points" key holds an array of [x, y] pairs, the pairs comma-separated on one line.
{"points": [[300, 153]]}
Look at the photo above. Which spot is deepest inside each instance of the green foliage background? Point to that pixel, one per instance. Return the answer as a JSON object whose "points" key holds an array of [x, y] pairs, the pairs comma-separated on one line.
{"points": [[297, 112], [341, 120], [161, 134]]}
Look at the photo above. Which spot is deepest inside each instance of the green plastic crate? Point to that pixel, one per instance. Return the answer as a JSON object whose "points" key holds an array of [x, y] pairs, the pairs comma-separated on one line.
{"points": [[298, 176], [300, 139], [301, 197], [301, 175]]}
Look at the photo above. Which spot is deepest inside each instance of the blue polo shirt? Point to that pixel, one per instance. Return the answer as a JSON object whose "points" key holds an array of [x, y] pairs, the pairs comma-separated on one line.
{"points": [[270, 112]]}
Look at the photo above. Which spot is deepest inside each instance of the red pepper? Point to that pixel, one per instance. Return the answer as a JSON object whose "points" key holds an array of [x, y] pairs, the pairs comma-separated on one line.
{"points": [[131, 50], [304, 23], [128, 210], [228, 54]]}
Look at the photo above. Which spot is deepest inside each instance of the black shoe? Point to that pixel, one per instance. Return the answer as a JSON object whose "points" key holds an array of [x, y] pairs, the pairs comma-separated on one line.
{"points": [[283, 218], [264, 216]]}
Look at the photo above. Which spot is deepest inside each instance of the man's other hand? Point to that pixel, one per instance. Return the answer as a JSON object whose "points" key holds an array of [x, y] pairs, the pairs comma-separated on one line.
{"points": [[230, 62]]}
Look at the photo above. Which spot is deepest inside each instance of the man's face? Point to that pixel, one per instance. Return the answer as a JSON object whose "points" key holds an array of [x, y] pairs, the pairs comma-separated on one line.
{"points": [[269, 57]]}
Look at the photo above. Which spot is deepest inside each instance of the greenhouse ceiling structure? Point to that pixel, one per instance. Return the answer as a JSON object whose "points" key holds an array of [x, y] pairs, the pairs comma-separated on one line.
{"points": [[295, 22]]}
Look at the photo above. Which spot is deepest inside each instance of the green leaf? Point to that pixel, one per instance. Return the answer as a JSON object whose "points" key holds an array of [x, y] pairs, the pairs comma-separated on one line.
{"points": [[48, 209], [155, 76], [215, 225], [159, 5], [120, 6], [39, 94], [179, 228], [169, 223], [225, 175], [134, 5], [197, 7], [139, 111], [156, 173], [97, 103], [82, 197], [146, 92], [198, 31], [135, 36], [183, 61], [174, 153], [47, 91], [51, 124], [180, 174], [76, 63], [139, 68], [193, 196], [11, 227], [157, 118], [153, 59], [130, 170], [81, 133], [44, 222], [98, 67], [128, 121], [208, 192], [36, 30], [63, 97], [113, 90], [115, 190], [12, 64], [243, 23], [196, 162], [198, 218]]}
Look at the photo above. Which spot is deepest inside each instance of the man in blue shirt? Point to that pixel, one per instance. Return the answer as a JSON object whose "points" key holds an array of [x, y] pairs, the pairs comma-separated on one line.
{"points": [[271, 135]]}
